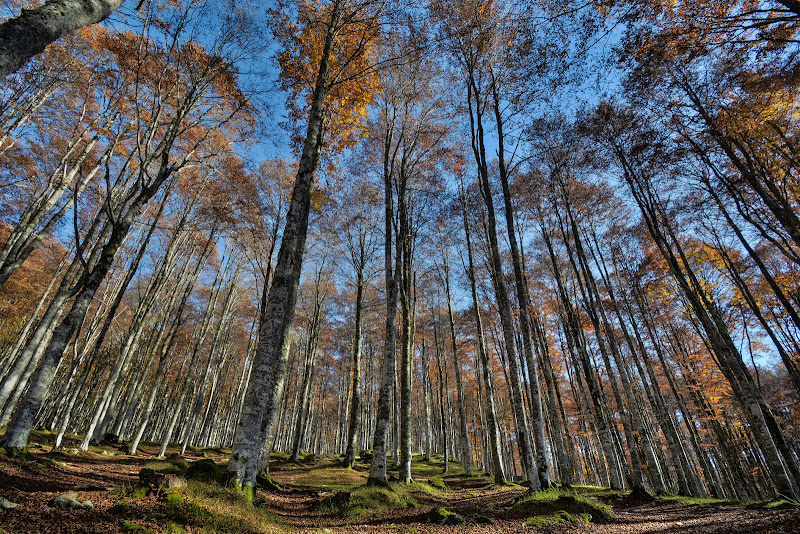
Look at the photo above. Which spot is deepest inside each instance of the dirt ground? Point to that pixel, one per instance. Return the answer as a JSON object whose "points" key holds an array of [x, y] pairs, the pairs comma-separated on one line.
{"points": [[103, 479]]}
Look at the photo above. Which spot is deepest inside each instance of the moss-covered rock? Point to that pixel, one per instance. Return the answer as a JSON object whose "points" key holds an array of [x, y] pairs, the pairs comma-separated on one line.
{"points": [[550, 502], [365, 456], [172, 498], [149, 477], [70, 500], [178, 461], [204, 470], [129, 526], [437, 483], [140, 492], [442, 516], [561, 517]]}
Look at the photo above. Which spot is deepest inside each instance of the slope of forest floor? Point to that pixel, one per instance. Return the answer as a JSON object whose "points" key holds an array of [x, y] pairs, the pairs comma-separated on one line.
{"points": [[316, 495]]}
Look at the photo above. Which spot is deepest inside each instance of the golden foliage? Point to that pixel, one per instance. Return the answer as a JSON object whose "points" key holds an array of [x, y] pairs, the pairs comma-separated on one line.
{"points": [[353, 79]]}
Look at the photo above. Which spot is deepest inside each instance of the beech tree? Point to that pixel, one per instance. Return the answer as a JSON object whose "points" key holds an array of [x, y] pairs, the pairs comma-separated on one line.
{"points": [[329, 50], [27, 34]]}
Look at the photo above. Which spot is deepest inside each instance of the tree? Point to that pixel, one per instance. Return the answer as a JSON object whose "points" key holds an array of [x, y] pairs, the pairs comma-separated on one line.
{"points": [[27, 34], [329, 49]]}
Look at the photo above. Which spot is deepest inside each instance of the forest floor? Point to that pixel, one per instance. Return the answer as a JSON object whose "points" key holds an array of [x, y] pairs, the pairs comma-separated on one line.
{"points": [[318, 496]]}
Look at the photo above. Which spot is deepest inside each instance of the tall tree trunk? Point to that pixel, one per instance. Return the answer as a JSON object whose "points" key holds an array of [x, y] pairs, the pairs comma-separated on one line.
{"points": [[491, 411], [312, 342], [269, 364], [355, 388], [442, 398], [27, 34], [462, 410], [573, 334], [426, 401]]}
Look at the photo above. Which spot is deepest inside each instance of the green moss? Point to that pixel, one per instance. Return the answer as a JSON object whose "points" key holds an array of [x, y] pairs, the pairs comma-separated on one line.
{"points": [[204, 470], [175, 528], [140, 492], [212, 508], [781, 504], [442, 516], [19, 452], [552, 501], [506, 486], [178, 461], [129, 526], [437, 483], [173, 499], [163, 467], [666, 496], [249, 493], [369, 501], [560, 517]]}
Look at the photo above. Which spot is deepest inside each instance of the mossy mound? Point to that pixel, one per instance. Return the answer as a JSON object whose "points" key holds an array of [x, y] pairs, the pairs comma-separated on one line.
{"points": [[561, 517], [551, 502], [367, 501], [781, 504], [178, 461], [442, 516], [172, 499], [204, 470], [437, 483], [365, 456]]}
